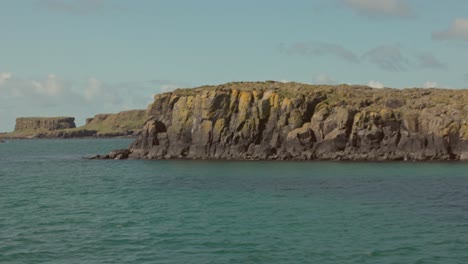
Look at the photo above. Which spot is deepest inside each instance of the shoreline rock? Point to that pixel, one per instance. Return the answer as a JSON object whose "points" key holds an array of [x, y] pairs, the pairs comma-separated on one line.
{"points": [[119, 154]]}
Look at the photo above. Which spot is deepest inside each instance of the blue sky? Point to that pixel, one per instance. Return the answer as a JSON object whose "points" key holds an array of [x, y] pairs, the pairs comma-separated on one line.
{"points": [[82, 57]]}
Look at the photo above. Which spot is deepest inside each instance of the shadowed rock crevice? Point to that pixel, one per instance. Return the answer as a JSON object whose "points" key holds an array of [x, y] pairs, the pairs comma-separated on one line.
{"points": [[271, 120]]}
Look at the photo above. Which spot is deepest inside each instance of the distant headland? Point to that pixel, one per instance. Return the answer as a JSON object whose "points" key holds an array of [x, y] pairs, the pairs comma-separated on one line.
{"points": [[123, 124], [293, 121]]}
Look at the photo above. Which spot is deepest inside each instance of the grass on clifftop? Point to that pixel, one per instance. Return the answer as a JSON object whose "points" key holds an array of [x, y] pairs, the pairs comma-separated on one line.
{"points": [[357, 96], [120, 122]]}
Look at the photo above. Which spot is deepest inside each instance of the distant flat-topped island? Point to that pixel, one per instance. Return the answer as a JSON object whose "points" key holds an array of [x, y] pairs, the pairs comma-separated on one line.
{"points": [[123, 124], [292, 121]]}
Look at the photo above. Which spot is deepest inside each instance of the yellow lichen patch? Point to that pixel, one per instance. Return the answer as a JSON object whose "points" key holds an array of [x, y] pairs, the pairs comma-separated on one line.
{"points": [[218, 129], [274, 100], [386, 114], [464, 131], [234, 100], [182, 111], [452, 129], [245, 99], [206, 131], [256, 95], [286, 104]]}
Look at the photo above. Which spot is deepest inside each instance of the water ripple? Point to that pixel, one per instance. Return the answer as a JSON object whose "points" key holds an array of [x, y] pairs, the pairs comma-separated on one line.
{"points": [[58, 208]]}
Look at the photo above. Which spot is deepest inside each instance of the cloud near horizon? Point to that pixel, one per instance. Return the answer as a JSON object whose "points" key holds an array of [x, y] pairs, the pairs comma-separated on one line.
{"points": [[375, 84], [457, 31], [380, 8], [430, 84], [324, 79], [53, 96]]}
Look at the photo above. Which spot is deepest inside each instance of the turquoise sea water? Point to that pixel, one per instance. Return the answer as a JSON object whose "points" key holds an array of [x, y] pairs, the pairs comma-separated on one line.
{"points": [[56, 207]]}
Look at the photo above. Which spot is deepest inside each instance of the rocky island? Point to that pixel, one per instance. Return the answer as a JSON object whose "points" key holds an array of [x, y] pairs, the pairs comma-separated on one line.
{"points": [[123, 124], [293, 121]]}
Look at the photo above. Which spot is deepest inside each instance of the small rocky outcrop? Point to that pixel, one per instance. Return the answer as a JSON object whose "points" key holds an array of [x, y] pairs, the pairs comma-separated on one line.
{"points": [[44, 123], [115, 155], [67, 133], [292, 121]]}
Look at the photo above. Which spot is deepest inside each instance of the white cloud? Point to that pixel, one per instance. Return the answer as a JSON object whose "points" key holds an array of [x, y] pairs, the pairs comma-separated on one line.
{"points": [[379, 8], [430, 84], [51, 86], [457, 31], [324, 79], [93, 89], [5, 76], [375, 84], [53, 96]]}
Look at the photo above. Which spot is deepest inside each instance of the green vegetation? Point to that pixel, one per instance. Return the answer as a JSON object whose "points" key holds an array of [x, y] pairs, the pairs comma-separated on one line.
{"points": [[28, 133], [121, 122]]}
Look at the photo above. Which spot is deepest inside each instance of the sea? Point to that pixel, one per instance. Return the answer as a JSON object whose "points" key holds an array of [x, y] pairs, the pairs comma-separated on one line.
{"points": [[58, 207]]}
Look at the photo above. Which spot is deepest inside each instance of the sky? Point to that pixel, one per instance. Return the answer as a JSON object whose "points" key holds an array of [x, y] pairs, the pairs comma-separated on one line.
{"points": [[84, 57]]}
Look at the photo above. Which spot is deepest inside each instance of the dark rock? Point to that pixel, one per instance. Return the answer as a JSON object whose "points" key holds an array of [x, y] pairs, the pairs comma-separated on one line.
{"points": [[119, 154], [96, 157], [78, 133]]}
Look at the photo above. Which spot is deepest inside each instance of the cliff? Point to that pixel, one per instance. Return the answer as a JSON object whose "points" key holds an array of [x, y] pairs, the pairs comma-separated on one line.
{"points": [[292, 121], [44, 123]]}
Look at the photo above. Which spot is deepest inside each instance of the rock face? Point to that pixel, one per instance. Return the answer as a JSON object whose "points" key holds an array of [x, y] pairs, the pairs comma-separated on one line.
{"points": [[304, 122], [294, 121], [44, 123]]}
